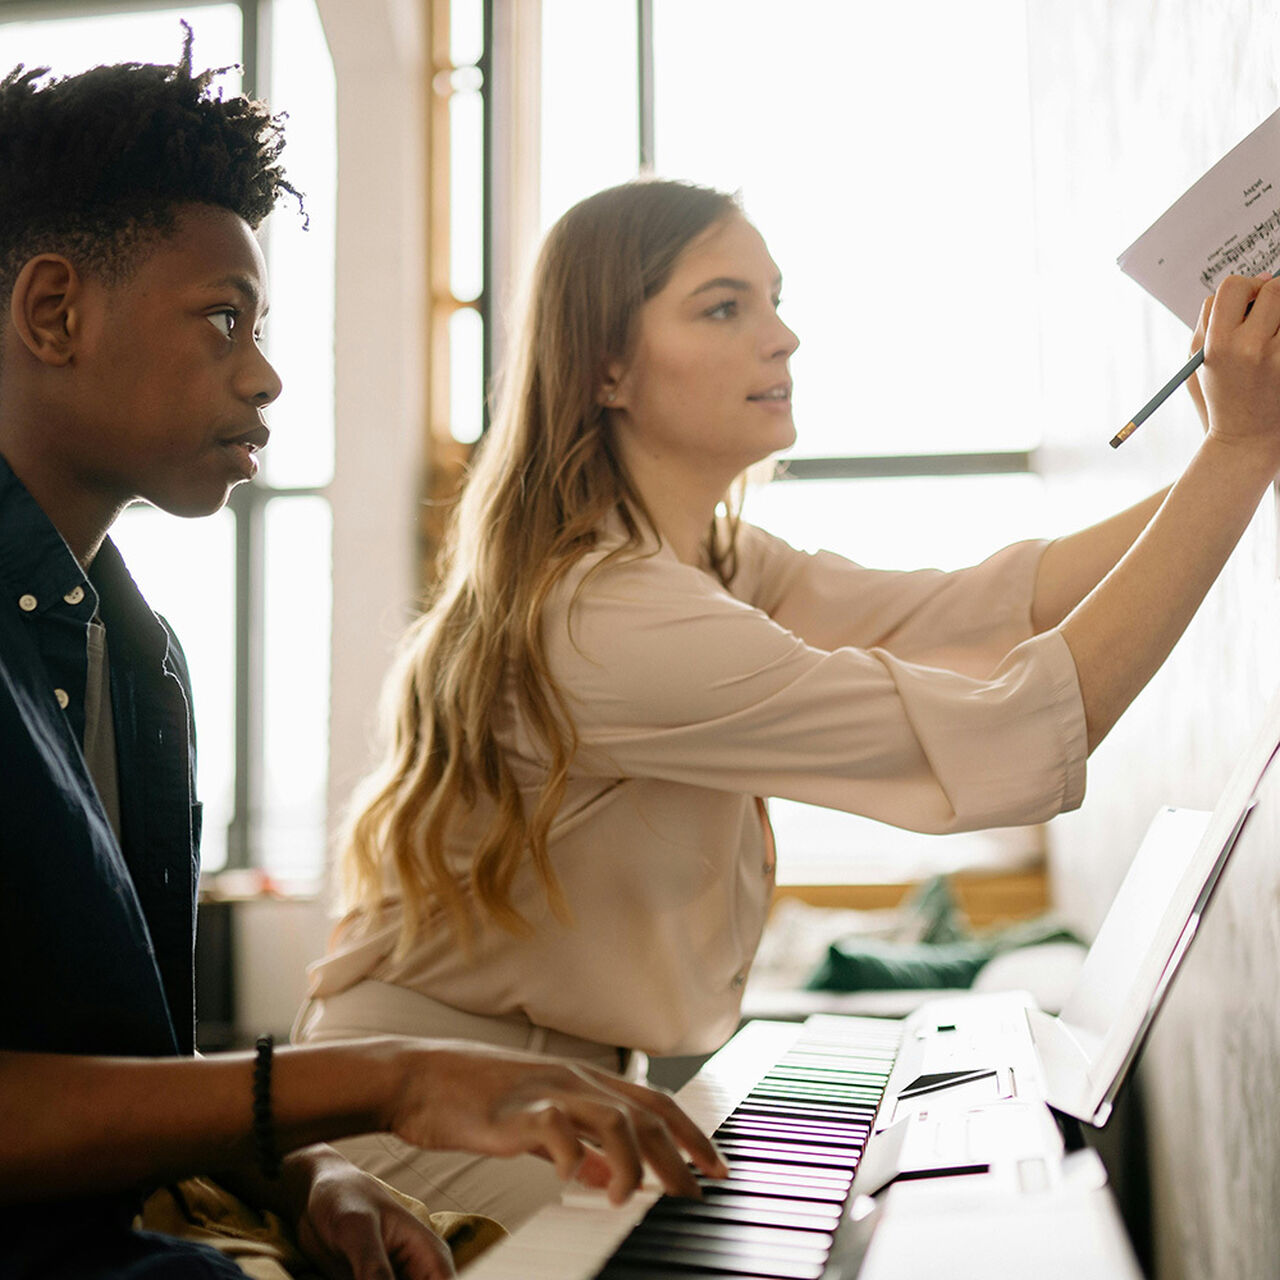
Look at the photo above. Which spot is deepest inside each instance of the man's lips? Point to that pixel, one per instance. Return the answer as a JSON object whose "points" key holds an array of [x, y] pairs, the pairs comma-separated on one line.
{"points": [[253, 439]]}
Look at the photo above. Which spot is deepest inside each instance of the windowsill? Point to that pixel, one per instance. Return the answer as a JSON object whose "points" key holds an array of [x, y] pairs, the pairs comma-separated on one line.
{"points": [[252, 884]]}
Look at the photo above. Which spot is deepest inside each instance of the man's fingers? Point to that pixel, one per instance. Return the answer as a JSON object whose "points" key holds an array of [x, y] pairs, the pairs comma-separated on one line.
{"points": [[552, 1134], [419, 1254], [606, 1124], [664, 1157], [360, 1243], [701, 1149]]}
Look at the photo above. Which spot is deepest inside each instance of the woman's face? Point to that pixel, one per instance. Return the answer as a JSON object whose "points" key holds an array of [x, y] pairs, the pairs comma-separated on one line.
{"points": [[708, 384]]}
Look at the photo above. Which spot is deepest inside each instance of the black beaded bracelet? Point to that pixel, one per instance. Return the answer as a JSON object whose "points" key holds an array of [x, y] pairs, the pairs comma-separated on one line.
{"points": [[264, 1128]]}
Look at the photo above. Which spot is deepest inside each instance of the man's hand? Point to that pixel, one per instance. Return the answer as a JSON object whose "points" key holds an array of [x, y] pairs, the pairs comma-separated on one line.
{"points": [[591, 1125], [354, 1229]]}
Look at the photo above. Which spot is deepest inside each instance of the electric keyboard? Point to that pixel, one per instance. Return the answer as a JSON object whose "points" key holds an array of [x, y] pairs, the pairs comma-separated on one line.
{"points": [[792, 1106], [792, 1133]]}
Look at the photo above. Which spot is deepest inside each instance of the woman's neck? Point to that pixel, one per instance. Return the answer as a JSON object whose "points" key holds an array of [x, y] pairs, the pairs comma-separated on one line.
{"points": [[682, 506]]}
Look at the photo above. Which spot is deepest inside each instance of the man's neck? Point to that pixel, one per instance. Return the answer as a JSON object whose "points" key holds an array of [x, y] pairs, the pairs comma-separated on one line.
{"points": [[83, 525]]}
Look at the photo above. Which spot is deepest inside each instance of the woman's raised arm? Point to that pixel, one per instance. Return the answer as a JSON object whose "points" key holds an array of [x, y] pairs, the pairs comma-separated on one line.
{"points": [[1123, 630]]}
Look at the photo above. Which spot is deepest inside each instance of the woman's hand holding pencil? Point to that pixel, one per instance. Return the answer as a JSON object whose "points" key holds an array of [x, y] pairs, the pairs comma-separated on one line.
{"points": [[1187, 373], [1241, 374], [1197, 344]]}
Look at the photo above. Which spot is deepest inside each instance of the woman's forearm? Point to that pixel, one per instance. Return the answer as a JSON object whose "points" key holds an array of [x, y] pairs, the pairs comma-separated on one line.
{"points": [[1121, 633], [1074, 564]]}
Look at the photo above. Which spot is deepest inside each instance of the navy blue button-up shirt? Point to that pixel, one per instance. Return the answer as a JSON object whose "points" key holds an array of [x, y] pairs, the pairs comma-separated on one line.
{"points": [[96, 935]]}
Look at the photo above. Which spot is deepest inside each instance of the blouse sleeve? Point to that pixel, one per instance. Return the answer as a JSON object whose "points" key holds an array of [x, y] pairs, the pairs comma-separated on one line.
{"points": [[965, 620], [669, 676]]}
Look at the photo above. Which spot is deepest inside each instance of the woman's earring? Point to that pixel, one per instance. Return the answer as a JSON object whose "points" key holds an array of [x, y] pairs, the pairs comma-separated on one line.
{"points": [[610, 397]]}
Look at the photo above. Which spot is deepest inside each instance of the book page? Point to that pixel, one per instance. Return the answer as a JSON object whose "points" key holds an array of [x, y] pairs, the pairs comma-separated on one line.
{"points": [[1228, 223]]}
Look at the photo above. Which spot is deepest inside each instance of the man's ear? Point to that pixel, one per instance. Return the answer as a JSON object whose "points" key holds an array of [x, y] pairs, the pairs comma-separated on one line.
{"points": [[45, 307]]}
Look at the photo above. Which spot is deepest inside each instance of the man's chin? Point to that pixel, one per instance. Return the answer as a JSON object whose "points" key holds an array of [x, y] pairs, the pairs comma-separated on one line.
{"points": [[193, 506]]}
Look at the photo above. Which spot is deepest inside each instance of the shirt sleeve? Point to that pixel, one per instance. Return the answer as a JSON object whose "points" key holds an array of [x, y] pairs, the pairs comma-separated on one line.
{"points": [[669, 676], [964, 620]]}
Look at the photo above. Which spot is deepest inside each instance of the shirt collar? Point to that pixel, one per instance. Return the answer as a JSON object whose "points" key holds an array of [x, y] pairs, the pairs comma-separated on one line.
{"points": [[36, 565]]}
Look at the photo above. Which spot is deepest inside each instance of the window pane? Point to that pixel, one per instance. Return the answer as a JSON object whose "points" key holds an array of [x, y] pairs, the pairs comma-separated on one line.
{"points": [[940, 521], [590, 117], [296, 692], [822, 846], [466, 191], [184, 568], [891, 177], [466, 380], [300, 328], [466, 32], [72, 44]]}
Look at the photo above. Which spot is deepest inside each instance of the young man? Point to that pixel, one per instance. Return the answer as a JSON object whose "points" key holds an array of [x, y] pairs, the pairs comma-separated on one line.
{"points": [[130, 368]]}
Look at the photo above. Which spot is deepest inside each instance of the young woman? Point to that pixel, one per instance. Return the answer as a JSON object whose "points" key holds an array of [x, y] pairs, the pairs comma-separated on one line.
{"points": [[566, 846]]}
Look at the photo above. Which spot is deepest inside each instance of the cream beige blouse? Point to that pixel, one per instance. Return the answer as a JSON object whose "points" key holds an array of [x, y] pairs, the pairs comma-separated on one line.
{"points": [[920, 699]]}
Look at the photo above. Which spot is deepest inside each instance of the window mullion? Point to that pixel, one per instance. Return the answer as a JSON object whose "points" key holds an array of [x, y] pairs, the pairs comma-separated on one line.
{"points": [[644, 82]]}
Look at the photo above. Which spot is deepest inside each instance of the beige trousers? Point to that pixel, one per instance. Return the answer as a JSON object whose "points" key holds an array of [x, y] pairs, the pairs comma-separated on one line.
{"points": [[510, 1190]]}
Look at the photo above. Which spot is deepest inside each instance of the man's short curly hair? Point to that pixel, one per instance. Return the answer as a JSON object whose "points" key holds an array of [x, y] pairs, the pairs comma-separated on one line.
{"points": [[95, 166]]}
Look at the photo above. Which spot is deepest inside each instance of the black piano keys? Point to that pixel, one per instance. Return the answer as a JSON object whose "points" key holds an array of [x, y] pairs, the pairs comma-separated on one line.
{"points": [[793, 1145]]}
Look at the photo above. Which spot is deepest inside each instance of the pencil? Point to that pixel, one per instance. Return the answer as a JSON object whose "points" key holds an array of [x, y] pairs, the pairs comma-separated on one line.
{"points": [[1158, 399]]}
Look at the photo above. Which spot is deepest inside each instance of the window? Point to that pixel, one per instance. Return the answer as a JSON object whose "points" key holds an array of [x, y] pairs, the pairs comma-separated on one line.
{"points": [[891, 178], [247, 590]]}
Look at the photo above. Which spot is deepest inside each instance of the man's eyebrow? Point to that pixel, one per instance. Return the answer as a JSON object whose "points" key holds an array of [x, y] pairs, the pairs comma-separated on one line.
{"points": [[245, 285], [729, 282]]}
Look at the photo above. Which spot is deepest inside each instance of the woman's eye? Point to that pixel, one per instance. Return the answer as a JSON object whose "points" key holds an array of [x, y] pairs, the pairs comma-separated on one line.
{"points": [[224, 321], [723, 310]]}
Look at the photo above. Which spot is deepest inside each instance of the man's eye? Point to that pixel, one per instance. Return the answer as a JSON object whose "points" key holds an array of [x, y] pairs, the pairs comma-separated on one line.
{"points": [[224, 321]]}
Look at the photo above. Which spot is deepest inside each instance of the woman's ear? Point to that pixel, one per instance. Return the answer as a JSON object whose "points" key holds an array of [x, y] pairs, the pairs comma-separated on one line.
{"points": [[45, 308], [612, 387]]}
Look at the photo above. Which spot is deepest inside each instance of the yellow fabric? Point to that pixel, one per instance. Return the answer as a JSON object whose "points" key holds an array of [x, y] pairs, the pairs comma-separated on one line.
{"points": [[264, 1248]]}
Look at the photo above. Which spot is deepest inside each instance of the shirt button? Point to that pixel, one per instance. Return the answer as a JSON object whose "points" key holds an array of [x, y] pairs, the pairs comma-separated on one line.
{"points": [[61, 695], [27, 602], [74, 596]]}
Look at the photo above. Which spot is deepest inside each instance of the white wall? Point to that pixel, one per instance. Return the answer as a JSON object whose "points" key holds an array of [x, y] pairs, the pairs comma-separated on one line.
{"points": [[1133, 99], [377, 46]]}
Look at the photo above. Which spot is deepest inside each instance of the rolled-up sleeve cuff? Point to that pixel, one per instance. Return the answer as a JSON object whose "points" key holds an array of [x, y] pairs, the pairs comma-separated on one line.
{"points": [[1067, 708]]}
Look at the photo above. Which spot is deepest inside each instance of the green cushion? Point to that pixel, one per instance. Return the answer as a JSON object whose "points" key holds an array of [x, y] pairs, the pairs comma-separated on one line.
{"points": [[855, 964], [943, 951]]}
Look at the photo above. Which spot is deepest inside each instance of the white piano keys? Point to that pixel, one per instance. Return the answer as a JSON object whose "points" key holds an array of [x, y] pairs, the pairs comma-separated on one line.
{"points": [[575, 1238]]}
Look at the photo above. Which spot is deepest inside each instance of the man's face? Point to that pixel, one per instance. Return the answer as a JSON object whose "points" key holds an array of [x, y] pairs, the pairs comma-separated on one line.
{"points": [[170, 381]]}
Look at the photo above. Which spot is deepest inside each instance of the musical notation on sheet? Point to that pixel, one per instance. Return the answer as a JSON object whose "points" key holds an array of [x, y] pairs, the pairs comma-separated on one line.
{"points": [[1227, 223], [1249, 254]]}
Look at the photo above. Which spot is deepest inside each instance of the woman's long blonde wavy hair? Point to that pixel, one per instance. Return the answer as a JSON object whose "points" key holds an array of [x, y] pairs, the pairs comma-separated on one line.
{"points": [[546, 477]]}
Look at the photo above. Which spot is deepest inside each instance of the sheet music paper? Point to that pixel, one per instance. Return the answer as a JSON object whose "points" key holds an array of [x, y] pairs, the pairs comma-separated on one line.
{"points": [[1228, 223]]}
